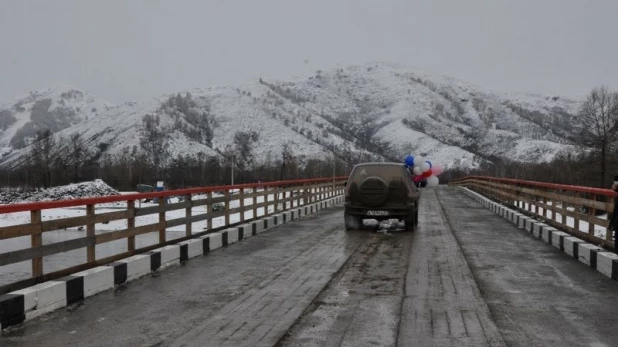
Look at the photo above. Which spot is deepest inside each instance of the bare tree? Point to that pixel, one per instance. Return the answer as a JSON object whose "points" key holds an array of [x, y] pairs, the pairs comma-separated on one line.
{"points": [[243, 146], [78, 155], [598, 121], [155, 144], [288, 161], [42, 155]]}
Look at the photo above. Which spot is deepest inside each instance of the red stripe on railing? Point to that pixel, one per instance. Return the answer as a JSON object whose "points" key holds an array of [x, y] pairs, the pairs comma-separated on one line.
{"points": [[32, 206], [566, 187]]}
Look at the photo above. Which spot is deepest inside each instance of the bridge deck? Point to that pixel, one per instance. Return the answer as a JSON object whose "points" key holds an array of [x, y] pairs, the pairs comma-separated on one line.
{"points": [[466, 277]]}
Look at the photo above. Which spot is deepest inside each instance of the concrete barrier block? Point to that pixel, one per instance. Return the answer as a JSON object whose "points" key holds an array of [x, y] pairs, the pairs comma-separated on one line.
{"points": [[286, 217], [11, 310], [557, 239], [588, 254], [30, 299], [547, 234], [257, 227], [97, 279], [521, 222], [268, 223], [137, 266], [50, 296], [232, 235], [515, 218], [215, 241], [275, 220], [244, 231], [528, 224], [536, 229], [571, 246], [606, 264], [170, 255], [194, 247]]}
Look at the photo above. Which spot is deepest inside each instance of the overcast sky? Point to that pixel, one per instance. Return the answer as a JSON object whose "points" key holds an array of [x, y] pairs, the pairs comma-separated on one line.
{"points": [[127, 49]]}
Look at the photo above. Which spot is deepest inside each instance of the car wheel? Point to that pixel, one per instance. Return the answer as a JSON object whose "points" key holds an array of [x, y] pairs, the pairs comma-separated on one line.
{"points": [[352, 222], [411, 221]]}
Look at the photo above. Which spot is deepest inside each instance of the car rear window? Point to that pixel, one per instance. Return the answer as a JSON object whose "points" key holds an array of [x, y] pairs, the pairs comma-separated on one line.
{"points": [[386, 172]]}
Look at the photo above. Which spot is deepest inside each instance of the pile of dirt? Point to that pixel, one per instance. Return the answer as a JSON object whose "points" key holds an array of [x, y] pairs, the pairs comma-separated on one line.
{"points": [[81, 190]]}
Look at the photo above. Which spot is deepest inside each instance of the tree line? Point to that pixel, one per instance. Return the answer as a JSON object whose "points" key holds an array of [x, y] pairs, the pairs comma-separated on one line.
{"points": [[592, 162], [54, 161]]}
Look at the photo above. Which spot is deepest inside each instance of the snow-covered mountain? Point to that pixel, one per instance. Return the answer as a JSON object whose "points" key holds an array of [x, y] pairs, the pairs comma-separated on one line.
{"points": [[57, 108], [365, 112]]}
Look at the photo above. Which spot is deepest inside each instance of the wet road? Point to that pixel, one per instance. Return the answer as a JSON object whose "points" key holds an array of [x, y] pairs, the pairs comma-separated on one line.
{"points": [[465, 277]]}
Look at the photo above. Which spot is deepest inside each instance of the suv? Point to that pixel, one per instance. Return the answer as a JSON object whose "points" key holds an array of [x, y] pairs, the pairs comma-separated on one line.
{"points": [[380, 191]]}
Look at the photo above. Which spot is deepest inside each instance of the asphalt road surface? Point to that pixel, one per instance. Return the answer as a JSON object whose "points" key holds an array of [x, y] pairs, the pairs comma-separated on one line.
{"points": [[465, 277]]}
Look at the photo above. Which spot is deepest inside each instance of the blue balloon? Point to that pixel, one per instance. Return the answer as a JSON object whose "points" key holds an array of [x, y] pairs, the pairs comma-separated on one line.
{"points": [[409, 161]]}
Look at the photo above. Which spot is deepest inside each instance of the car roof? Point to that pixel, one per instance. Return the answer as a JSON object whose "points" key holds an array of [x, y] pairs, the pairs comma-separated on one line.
{"points": [[381, 164]]}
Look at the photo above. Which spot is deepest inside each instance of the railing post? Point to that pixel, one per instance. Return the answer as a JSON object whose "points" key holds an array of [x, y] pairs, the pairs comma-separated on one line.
{"points": [[131, 224], [90, 250], [241, 198], [266, 202], [609, 236], [591, 213], [293, 196], [276, 209], [284, 201], [577, 211], [255, 216], [188, 215], [36, 240], [564, 210], [313, 192], [209, 211], [228, 201], [161, 219]]}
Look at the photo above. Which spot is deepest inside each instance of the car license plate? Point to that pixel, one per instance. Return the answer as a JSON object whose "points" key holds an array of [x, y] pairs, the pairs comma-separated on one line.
{"points": [[377, 213]]}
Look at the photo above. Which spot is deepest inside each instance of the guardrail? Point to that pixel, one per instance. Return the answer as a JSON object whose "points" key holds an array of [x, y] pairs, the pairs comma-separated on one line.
{"points": [[576, 210], [271, 198]]}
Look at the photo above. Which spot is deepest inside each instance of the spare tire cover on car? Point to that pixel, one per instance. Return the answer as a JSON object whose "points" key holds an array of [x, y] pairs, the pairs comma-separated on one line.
{"points": [[373, 191]]}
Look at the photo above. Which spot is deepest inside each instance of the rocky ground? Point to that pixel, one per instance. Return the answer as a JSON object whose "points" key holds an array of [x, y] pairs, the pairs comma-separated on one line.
{"points": [[94, 188]]}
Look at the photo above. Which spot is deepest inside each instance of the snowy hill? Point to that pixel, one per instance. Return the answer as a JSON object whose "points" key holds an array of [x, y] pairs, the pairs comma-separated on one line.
{"points": [[366, 112], [57, 108]]}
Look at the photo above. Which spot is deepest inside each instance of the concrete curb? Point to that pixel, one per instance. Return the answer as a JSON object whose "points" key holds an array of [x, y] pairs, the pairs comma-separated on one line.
{"points": [[22, 305], [595, 257]]}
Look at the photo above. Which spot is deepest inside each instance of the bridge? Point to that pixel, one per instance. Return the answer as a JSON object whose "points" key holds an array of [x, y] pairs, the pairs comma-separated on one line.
{"points": [[493, 262]]}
